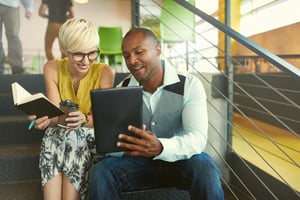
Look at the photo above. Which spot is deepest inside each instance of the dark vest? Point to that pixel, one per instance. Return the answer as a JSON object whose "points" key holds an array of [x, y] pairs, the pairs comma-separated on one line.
{"points": [[167, 117]]}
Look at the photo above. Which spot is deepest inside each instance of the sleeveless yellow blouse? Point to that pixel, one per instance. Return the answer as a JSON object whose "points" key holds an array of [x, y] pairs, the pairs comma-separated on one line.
{"points": [[89, 82]]}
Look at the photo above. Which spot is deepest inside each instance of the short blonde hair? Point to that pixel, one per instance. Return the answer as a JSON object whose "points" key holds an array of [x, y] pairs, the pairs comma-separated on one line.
{"points": [[77, 34]]}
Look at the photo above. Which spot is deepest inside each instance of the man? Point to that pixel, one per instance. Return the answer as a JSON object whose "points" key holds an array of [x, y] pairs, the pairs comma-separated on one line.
{"points": [[57, 12], [10, 18], [169, 148]]}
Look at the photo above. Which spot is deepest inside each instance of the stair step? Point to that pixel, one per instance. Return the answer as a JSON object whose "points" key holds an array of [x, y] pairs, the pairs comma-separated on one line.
{"points": [[14, 130], [7, 106], [19, 162], [19, 150], [31, 82], [24, 190]]}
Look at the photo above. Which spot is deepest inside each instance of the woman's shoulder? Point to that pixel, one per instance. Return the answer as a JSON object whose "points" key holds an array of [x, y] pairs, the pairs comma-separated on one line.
{"points": [[51, 65], [108, 69], [50, 70], [103, 68], [107, 76]]}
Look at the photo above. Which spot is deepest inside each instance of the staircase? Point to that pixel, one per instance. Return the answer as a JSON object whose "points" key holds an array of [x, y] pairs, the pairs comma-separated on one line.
{"points": [[19, 147]]}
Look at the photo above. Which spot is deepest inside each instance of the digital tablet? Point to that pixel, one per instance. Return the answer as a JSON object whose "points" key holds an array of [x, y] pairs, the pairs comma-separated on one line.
{"points": [[113, 110]]}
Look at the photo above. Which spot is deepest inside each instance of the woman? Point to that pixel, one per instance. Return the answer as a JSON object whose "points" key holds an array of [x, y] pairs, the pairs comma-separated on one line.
{"points": [[65, 155]]}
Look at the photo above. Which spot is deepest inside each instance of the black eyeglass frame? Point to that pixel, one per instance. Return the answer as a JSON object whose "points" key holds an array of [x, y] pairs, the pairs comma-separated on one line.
{"points": [[73, 54]]}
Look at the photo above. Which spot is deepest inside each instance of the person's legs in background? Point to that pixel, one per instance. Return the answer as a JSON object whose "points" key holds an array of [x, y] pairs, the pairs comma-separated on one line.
{"points": [[50, 36], [2, 58], [2, 55], [3, 10], [12, 29]]}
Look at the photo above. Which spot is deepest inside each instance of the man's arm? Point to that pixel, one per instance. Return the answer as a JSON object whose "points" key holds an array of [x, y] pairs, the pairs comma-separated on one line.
{"points": [[193, 139], [28, 5]]}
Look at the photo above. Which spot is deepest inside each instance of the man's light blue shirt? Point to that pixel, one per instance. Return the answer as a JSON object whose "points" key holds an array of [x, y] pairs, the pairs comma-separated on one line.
{"points": [[193, 139], [28, 4]]}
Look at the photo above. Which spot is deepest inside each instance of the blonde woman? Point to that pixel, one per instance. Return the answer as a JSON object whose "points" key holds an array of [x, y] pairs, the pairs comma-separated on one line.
{"points": [[65, 156]]}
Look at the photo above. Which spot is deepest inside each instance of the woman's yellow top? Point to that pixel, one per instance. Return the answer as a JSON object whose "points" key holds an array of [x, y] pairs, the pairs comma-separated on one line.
{"points": [[89, 82]]}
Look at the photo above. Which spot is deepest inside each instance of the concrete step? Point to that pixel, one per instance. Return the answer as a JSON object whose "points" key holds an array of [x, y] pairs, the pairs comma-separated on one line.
{"points": [[23, 190], [7, 107], [14, 130], [31, 82], [31, 190], [19, 162]]}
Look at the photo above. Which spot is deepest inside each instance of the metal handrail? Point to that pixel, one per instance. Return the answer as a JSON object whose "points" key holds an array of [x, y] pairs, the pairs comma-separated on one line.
{"points": [[273, 59]]}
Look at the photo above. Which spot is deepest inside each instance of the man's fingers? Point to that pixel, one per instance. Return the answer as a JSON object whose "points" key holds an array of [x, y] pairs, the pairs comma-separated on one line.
{"points": [[141, 133]]}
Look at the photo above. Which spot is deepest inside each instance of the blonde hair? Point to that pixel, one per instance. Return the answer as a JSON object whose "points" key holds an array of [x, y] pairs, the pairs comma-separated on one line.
{"points": [[76, 35]]}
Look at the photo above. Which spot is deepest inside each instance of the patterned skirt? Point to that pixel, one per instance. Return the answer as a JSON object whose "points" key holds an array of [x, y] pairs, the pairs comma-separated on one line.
{"points": [[68, 151]]}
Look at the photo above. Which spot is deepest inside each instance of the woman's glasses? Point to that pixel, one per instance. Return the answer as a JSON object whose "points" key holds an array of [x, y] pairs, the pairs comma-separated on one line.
{"points": [[79, 57]]}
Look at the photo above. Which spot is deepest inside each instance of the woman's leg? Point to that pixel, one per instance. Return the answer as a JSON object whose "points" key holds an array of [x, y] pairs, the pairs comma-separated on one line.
{"points": [[59, 187], [69, 191], [51, 34], [53, 188], [66, 152]]}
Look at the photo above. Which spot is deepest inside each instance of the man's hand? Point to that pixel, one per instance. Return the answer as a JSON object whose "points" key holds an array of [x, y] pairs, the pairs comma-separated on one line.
{"points": [[28, 15], [147, 144]]}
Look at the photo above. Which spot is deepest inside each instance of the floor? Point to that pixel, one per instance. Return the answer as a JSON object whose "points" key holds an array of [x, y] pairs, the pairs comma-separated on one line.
{"points": [[272, 149]]}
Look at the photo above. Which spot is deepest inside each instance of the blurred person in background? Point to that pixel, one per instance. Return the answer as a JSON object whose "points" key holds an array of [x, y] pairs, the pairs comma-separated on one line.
{"points": [[10, 19], [57, 12]]}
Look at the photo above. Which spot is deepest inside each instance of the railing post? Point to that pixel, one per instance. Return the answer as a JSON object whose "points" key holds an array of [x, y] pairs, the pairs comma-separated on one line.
{"points": [[135, 13], [229, 73]]}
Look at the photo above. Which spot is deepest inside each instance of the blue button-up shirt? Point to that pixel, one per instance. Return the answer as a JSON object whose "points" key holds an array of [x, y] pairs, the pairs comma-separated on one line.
{"points": [[193, 139], [28, 4]]}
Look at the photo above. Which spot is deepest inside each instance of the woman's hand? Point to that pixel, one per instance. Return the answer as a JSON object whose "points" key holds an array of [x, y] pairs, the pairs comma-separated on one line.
{"points": [[40, 123], [75, 119]]}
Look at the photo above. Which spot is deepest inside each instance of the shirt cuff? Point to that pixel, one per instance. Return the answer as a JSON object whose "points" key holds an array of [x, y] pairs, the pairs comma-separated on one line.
{"points": [[168, 146]]}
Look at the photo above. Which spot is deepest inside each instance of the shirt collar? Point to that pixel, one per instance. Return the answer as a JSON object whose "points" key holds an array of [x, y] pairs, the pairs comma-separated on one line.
{"points": [[170, 77]]}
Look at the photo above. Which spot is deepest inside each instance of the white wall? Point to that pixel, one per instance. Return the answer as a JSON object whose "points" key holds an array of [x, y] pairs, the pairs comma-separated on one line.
{"points": [[99, 12], [217, 118]]}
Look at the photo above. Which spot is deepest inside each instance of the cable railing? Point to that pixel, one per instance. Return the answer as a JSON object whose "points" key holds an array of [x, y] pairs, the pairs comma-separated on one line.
{"points": [[261, 143]]}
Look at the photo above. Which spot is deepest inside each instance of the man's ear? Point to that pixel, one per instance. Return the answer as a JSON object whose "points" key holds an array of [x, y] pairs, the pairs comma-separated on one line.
{"points": [[158, 50]]}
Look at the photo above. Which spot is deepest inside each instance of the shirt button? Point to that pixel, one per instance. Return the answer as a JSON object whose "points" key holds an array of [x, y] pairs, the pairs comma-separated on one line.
{"points": [[153, 123]]}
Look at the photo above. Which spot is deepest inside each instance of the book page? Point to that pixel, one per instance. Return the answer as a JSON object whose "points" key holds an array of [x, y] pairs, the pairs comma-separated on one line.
{"points": [[20, 95], [31, 98], [37, 104], [19, 92]]}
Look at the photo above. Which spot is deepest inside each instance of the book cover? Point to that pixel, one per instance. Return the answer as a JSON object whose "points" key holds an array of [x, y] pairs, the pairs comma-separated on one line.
{"points": [[36, 104]]}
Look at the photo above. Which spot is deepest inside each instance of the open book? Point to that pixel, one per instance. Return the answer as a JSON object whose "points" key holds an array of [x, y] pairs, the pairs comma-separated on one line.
{"points": [[33, 104]]}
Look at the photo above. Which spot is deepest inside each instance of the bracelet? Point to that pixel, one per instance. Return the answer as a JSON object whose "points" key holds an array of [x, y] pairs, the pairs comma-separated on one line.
{"points": [[86, 123]]}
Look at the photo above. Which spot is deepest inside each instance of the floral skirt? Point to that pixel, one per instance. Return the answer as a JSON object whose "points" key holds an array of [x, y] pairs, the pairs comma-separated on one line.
{"points": [[68, 151]]}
